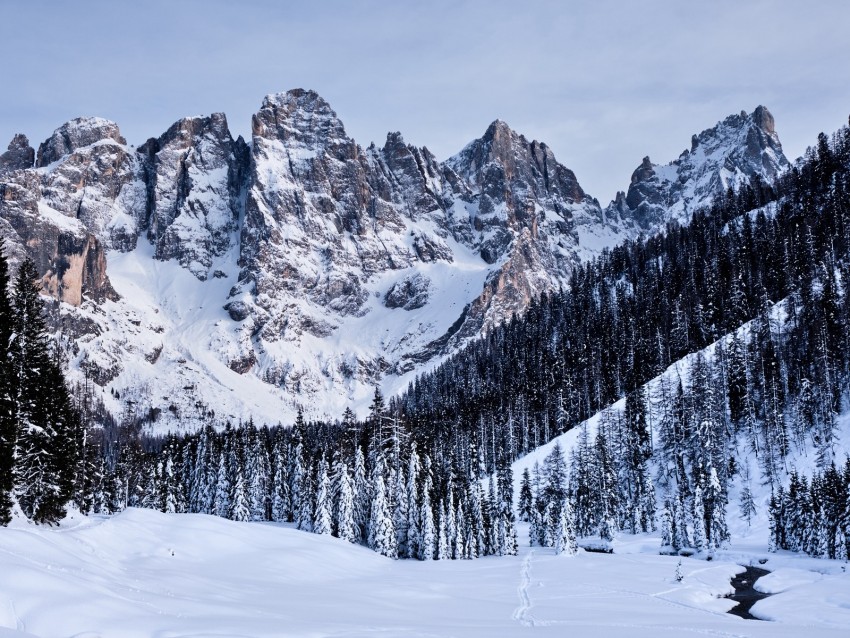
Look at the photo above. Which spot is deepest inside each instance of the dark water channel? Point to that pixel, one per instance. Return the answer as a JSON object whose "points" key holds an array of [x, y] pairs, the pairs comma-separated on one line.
{"points": [[745, 594]]}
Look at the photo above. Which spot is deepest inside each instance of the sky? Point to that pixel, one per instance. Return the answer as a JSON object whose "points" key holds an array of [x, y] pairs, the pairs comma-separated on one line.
{"points": [[602, 82]]}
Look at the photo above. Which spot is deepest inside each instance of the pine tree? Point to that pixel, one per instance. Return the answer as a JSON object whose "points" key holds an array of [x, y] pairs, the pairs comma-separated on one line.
{"points": [[321, 523], [240, 509], [443, 552], [747, 504], [526, 498], [565, 535], [8, 395], [362, 496], [667, 528], [414, 514], [45, 456], [221, 505], [699, 520], [280, 488], [344, 516], [427, 549], [382, 536]]}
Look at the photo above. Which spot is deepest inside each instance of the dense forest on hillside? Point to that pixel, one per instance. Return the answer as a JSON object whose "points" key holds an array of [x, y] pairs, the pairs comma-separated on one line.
{"points": [[428, 474]]}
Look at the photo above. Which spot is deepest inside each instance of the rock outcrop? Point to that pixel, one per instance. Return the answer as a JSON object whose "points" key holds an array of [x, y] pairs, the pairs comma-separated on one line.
{"points": [[734, 152], [195, 174], [19, 156]]}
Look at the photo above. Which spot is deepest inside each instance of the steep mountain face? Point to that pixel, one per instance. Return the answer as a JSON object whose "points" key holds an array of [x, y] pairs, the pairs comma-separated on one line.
{"points": [[245, 279], [57, 211], [734, 152], [195, 175], [530, 215]]}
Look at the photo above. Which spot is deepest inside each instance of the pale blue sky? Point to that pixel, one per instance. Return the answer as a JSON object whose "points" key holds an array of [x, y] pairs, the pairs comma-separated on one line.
{"points": [[602, 82]]}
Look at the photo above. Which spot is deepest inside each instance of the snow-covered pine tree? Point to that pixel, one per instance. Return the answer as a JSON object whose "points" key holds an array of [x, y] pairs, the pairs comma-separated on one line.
{"points": [[718, 532], [240, 509], [344, 515], [8, 394], [565, 534], [747, 503], [462, 532], [443, 552], [400, 509], [257, 471], [428, 546], [414, 514], [526, 498], [296, 471], [362, 496], [451, 525], [221, 501], [45, 457], [280, 486], [477, 543], [321, 523], [667, 528], [699, 537], [382, 536]]}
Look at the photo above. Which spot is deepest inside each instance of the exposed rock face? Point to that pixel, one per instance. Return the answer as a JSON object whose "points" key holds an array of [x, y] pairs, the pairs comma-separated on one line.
{"points": [[195, 175], [528, 217], [19, 156], [88, 173], [734, 152], [77, 134], [410, 293], [72, 259], [323, 216], [303, 269]]}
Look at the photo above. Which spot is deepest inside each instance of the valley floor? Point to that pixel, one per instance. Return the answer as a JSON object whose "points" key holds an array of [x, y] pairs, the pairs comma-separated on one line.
{"points": [[143, 573]]}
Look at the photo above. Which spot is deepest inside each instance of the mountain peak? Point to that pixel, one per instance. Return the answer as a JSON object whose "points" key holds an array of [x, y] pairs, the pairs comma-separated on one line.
{"points": [[300, 116], [19, 155], [764, 119], [76, 134], [730, 154]]}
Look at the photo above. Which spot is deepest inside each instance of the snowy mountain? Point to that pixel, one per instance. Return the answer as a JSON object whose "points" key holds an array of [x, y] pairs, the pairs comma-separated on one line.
{"points": [[734, 152], [200, 275]]}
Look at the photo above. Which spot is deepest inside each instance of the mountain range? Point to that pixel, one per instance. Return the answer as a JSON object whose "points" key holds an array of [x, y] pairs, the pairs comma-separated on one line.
{"points": [[201, 276]]}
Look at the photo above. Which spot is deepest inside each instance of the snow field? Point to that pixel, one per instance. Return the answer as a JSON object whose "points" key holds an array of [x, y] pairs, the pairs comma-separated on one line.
{"points": [[144, 573]]}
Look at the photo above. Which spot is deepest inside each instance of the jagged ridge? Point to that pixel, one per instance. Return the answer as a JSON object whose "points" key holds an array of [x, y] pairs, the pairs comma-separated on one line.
{"points": [[300, 268]]}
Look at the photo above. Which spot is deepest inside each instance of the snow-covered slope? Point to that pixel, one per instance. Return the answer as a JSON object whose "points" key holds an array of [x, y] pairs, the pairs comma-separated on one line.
{"points": [[751, 535], [204, 275], [144, 573]]}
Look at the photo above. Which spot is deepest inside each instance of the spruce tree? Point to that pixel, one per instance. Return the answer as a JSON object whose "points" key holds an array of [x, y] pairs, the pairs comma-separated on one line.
{"points": [[565, 535], [45, 456], [8, 395], [382, 536], [526, 498], [321, 523], [344, 516]]}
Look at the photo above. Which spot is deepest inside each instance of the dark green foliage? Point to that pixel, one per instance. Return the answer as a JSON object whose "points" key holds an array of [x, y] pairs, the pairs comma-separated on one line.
{"points": [[46, 420], [8, 422]]}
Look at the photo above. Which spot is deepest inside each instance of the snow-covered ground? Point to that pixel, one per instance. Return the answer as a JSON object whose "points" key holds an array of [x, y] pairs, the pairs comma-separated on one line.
{"points": [[143, 573]]}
